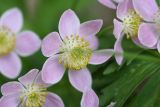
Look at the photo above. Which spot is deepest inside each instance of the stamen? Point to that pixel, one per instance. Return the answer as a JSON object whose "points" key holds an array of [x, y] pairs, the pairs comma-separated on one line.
{"points": [[131, 24], [7, 41], [34, 96], [75, 52]]}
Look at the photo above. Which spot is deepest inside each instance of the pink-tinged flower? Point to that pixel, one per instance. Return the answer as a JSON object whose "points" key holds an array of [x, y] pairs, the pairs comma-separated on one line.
{"points": [[110, 3], [89, 99], [149, 32], [30, 91], [73, 49], [128, 25], [13, 42]]}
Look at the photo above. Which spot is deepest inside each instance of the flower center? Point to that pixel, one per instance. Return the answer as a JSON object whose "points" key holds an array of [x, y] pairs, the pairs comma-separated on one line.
{"points": [[34, 96], [131, 24], [7, 40], [75, 52]]}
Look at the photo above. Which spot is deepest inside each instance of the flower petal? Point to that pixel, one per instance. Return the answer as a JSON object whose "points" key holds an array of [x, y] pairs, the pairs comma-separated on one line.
{"points": [[101, 56], [12, 19], [89, 99], [93, 41], [117, 28], [52, 71], [108, 3], [112, 104], [27, 43], [81, 79], [53, 100], [10, 101], [158, 46], [146, 9], [29, 78], [50, 44], [123, 7], [147, 35], [90, 27], [69, 24], [10, 65], [118, 51], [39, 80], [11, 88], [138, 43]]}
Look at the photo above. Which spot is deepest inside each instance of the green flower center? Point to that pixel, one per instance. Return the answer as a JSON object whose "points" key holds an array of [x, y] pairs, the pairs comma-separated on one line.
{"points": [[33, 96], [131, 24], [75, 53], [7, 41]]}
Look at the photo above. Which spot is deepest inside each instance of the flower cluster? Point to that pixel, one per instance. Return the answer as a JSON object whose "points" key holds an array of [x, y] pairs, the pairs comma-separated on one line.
{"points": [[139, 21], [70, 50]]}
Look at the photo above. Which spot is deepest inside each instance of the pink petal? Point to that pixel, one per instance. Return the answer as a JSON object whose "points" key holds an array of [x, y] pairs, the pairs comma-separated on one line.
{"points": [[10, 101], [93, 41], [118, 51], [27, 43], [101, 56], [10, 65], [53, 100], [108, 3], [147, 35], [52, 71], [39, 80], [81, 79], [146, 9], [89, 99], [117, 28], [12, 19], [158, 46], [123, 7], [69, 24], [29, 78], [11, 88], [90, 27], [138, 43], [50, 44]]}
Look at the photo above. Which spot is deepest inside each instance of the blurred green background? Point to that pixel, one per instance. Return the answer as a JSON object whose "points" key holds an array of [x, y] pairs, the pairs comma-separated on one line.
{"points": [[133, 84]]}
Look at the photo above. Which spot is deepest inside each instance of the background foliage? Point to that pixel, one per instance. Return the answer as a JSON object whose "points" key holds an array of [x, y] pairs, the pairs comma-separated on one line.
{"points": [[136, 83]]}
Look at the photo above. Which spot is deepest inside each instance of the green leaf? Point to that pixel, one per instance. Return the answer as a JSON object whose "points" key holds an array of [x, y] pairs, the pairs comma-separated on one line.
{"points": [[110, 69], [122, 88], [149, 96]]}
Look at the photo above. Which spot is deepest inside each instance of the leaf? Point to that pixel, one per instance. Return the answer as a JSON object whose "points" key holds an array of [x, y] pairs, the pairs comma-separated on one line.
{"points": [[149, 96], [110, 69], [123, 87]]}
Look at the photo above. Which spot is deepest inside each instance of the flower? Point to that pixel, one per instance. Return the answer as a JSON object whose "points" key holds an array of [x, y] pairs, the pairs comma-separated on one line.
{"points": [[30, 91], [73, 50], [149, 32], [12, 43], [128, 25], [110, 3]]}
